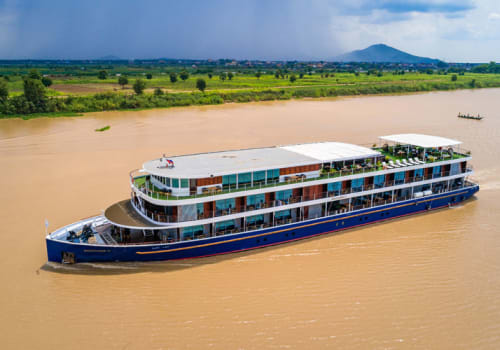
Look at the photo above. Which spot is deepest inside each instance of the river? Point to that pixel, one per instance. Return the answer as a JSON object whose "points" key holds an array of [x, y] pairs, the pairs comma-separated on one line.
{"points": [[427, 281]]}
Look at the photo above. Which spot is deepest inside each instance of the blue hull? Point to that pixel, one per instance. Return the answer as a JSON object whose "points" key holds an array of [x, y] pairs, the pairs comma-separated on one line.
{"points": [[253, 239]]}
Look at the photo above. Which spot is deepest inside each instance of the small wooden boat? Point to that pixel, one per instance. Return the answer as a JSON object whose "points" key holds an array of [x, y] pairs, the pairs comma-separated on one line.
{"points": [[469, 116]]}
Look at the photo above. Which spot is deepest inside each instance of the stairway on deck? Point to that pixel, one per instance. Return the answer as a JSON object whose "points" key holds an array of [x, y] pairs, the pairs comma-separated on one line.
{"points": [[103, 232]]}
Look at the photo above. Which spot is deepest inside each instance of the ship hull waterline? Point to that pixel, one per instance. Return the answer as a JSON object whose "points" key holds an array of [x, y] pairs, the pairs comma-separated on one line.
{"points": [[252, 239]]}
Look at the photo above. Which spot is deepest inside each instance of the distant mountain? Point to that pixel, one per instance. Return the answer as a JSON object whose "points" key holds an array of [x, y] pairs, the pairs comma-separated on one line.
{"points": [[109, 58], [382, 53]]}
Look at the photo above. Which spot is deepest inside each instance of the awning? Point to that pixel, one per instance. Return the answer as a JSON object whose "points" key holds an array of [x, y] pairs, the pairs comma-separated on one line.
{"points": [[426, 141]]}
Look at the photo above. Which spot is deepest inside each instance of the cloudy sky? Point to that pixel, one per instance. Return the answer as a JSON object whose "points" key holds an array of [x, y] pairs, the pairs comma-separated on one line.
{"points": [[451, 30]]}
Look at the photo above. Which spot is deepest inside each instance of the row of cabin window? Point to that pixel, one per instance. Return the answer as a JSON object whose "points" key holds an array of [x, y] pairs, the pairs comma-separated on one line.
{"points": [[230, 224], [259, 199], [256, 200], [246, 178], [171, 182], [273, 175]]}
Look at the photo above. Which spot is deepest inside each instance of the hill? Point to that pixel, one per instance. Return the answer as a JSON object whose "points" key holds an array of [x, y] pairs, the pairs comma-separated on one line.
{"points": [[382, 53], [109, 58]]}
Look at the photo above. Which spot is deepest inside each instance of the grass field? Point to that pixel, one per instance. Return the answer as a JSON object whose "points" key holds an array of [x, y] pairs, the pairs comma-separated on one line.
{"points": [[91, 85], [78, 93]]}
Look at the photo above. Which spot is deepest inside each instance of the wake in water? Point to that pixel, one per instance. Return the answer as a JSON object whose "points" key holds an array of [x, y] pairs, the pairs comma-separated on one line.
{"points": [[487, 179]]}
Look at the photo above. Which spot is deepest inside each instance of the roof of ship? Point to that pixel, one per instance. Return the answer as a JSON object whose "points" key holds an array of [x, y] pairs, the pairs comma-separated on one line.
{"points": [[426, 141], [246, 160]]}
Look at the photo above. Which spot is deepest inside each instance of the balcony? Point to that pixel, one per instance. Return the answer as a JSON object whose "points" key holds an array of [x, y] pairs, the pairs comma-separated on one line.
{"points": [[142, 184], [160, 217]]}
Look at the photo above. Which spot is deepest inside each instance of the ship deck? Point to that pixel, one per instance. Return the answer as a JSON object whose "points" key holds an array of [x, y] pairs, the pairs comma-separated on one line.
{"points": [[123, 214]]}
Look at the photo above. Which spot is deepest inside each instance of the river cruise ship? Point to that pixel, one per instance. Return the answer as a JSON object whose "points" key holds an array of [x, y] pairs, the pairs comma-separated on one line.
{"points": [[206, 204]]}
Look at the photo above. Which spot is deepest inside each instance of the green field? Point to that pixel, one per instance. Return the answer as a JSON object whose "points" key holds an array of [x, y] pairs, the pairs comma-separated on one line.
{"points": [[78, 90], [244, 81]]}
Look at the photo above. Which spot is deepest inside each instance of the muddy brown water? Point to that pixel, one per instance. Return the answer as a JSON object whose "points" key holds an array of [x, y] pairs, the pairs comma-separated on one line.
{"points": [[429, 281]]}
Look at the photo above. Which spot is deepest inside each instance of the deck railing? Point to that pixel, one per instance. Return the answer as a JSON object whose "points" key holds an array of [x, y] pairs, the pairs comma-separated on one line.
{"points": [[377, 202], [164, 218], [148, 188]]}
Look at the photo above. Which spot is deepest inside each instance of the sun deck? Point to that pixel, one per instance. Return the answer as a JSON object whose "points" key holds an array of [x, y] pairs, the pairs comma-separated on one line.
{"points": [[123, 214], [205, 165], [391, 153]]}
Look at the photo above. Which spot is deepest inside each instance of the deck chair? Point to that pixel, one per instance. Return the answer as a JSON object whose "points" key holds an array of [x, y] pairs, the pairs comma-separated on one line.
{"points": [[391, 163]]}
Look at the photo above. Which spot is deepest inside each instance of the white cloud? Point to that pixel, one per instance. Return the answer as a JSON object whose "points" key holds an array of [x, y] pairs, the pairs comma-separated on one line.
{"points": [[494, 16]]}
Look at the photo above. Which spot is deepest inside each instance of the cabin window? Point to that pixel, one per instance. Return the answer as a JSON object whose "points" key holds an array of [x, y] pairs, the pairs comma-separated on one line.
{"points": [[256, 200], [273, 175], [200, 208], [259, 177], [229, 180], [225, 204], [454, 169], [419, 173], [255, 220], [184, 183], [399, 178], [244, 178], [357, 184], [175, 183], [224, 225], [378, 181], [283, 214], [334, 187], [284, 195], [192, 231], [436, 171]]}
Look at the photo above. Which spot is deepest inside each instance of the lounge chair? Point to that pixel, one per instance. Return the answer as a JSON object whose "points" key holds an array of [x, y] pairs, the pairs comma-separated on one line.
{"points": [[418, 161], [398, 162], [406, 162], [391, 163]]}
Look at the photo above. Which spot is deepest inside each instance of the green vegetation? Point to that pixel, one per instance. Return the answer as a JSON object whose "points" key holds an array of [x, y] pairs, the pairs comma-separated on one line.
{"points": [[46, 81], [102, 75], [139, 86], [184, 75], [4, 91], [67, 90], [122, 80], [173, 77], [201, 84], [104, 128]]}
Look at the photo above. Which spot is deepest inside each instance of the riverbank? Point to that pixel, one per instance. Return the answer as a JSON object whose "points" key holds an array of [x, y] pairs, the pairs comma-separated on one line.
{"points": [[112, 101]]}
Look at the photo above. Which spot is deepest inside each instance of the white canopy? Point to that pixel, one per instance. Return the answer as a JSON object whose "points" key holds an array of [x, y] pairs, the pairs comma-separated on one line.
{"points": [[332, 151], [420, 140]]}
